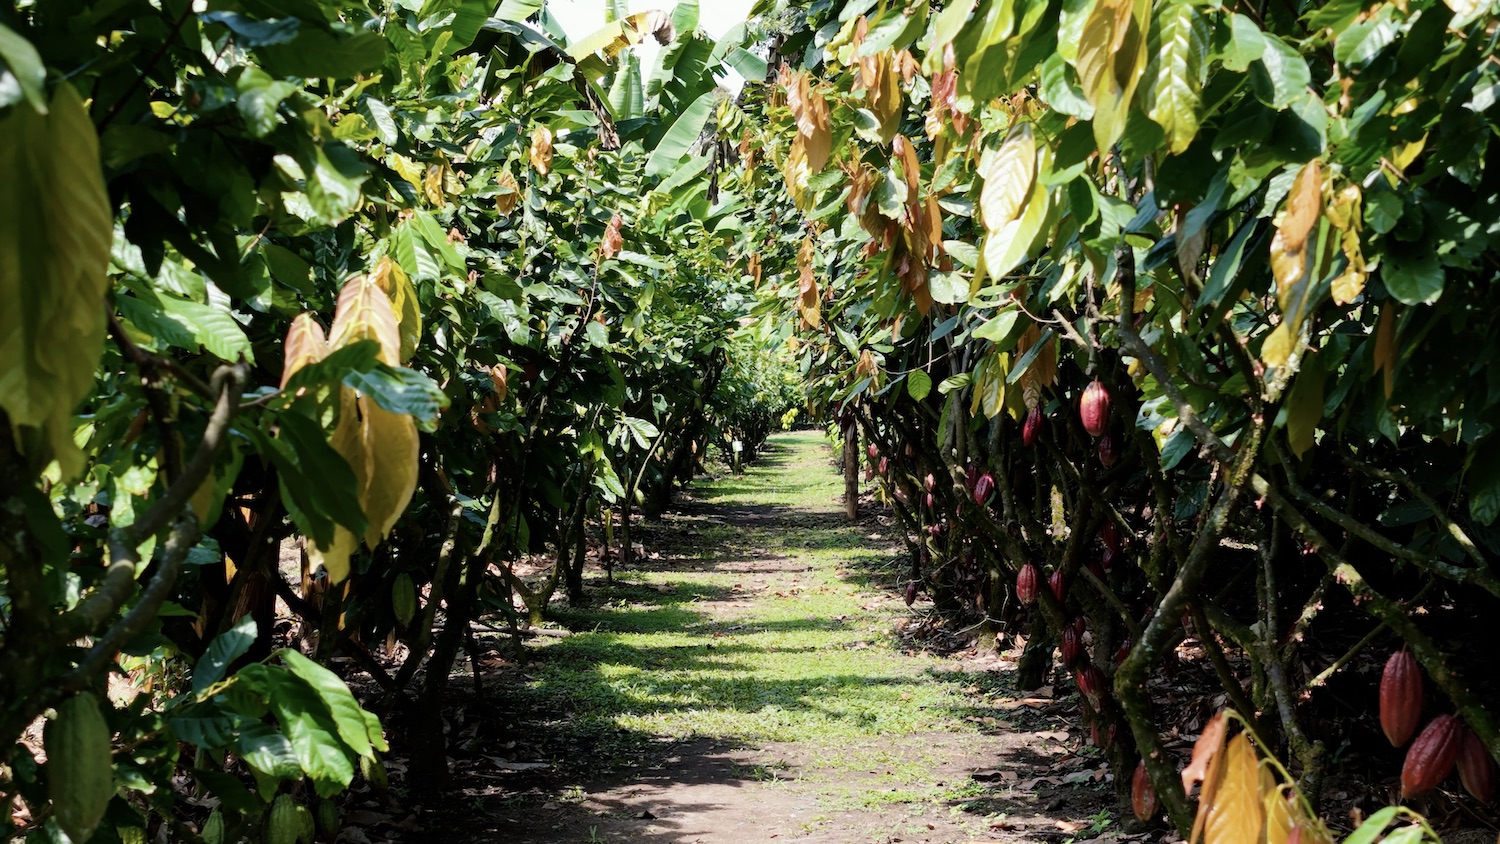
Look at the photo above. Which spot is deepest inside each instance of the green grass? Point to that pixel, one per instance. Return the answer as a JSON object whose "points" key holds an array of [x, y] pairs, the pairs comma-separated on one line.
{"points": [[815, 664]]}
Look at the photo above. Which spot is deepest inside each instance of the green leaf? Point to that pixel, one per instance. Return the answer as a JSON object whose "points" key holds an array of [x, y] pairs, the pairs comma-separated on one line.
{"points": [[1246, 44], [678, 141], [267, 749], [401, 390], [213, 327], [1176, 72], [249, 32], [1304, 406], [998, 328], [1412, 278], [1281, 76], [518, 10], [323, 472], [343, 53], [225, 649], [955, 382], [314, 736], [1483, 480], [335, 174], [259, 98], [643, 431], [1373, 826], [379, 116], [948, 288], [24, 64], [918, 384], [347, 713]]}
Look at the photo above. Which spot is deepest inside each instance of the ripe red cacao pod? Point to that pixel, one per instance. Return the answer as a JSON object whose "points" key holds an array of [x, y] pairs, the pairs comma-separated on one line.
{"points": [[928, 500], [1078, 625], [1059, 585], [1143, 794], [1092, 683], [1430, 758], [1400, 697], [1027, 584], [983, 487], [930, 482], [1109, 450], [910, 451], [1097, 569], [911, 593], [1476, 770], [901, 496], [885, 465], [1122, 652], [872, 451], [971, 477], [1109, 534], [1032, 427], [1093, 409], [1072, 649], [1108, 558]]}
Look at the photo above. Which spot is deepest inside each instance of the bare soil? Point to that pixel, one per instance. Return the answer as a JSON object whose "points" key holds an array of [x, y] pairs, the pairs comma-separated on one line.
{"points": [[1023, 773]]}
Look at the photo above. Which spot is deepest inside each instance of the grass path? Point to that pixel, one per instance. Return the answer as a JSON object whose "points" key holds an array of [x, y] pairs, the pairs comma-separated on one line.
{"points": [[743, 685]]}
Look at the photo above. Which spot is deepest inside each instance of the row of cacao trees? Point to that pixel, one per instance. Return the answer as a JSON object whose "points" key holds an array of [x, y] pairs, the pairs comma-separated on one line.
{"points": [[1169, 319], [418, 287]]}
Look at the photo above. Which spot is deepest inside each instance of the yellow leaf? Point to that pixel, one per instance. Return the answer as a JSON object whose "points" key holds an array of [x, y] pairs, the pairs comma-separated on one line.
{"points": [[335, 558], [1203, 767], [432, 184], [1277, 349], [305, 344], [398, 287], [1007, 173], [1278, 814], [500, 380], [364, 313], [56, 226], [1236, 815], [391, 452], [1111, 60]]}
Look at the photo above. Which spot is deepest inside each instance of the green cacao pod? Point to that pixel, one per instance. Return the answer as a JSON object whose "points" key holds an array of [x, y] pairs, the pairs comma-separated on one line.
{"points": [[404, 599], [328, 819], [80, 770], [373, 770], [132, 835], [307, 829], [213, 829], [282, 824]]}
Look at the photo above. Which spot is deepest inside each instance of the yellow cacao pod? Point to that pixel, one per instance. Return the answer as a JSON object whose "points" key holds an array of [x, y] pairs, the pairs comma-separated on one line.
{"points": [[80, 770]]}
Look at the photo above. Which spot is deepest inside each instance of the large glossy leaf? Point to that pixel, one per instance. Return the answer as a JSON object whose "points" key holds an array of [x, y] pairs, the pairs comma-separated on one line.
{"points": [[223, 650], [56, 225], [678, 142], [348, 716], [1179, 59]]}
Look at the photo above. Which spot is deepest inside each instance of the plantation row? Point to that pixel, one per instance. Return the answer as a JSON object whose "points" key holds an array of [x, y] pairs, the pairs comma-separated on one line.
{"points": [[401, 280], [1174, 322], [1156, 321]]}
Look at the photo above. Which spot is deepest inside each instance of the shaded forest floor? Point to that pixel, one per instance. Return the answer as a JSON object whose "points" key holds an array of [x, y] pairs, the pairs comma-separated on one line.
{"points": [[754, 679]]}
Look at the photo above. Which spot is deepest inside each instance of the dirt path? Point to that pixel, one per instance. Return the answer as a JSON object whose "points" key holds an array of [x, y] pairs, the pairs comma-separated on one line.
{"points": [[744, 684]]}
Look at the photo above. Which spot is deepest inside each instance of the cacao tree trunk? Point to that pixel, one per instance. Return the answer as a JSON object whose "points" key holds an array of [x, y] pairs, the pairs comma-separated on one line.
{"points": [[851, 471]]}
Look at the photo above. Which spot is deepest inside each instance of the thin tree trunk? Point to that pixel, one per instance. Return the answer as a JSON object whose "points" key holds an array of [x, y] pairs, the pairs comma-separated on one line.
{"points": [[851, 471]]}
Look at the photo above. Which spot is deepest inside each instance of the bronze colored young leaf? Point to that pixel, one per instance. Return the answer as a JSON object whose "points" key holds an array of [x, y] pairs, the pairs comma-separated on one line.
{"points": [[56, 226], [1209, 743], [364, 313], [541, 150], [808, 302], [611, 243], [305, 344]]}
